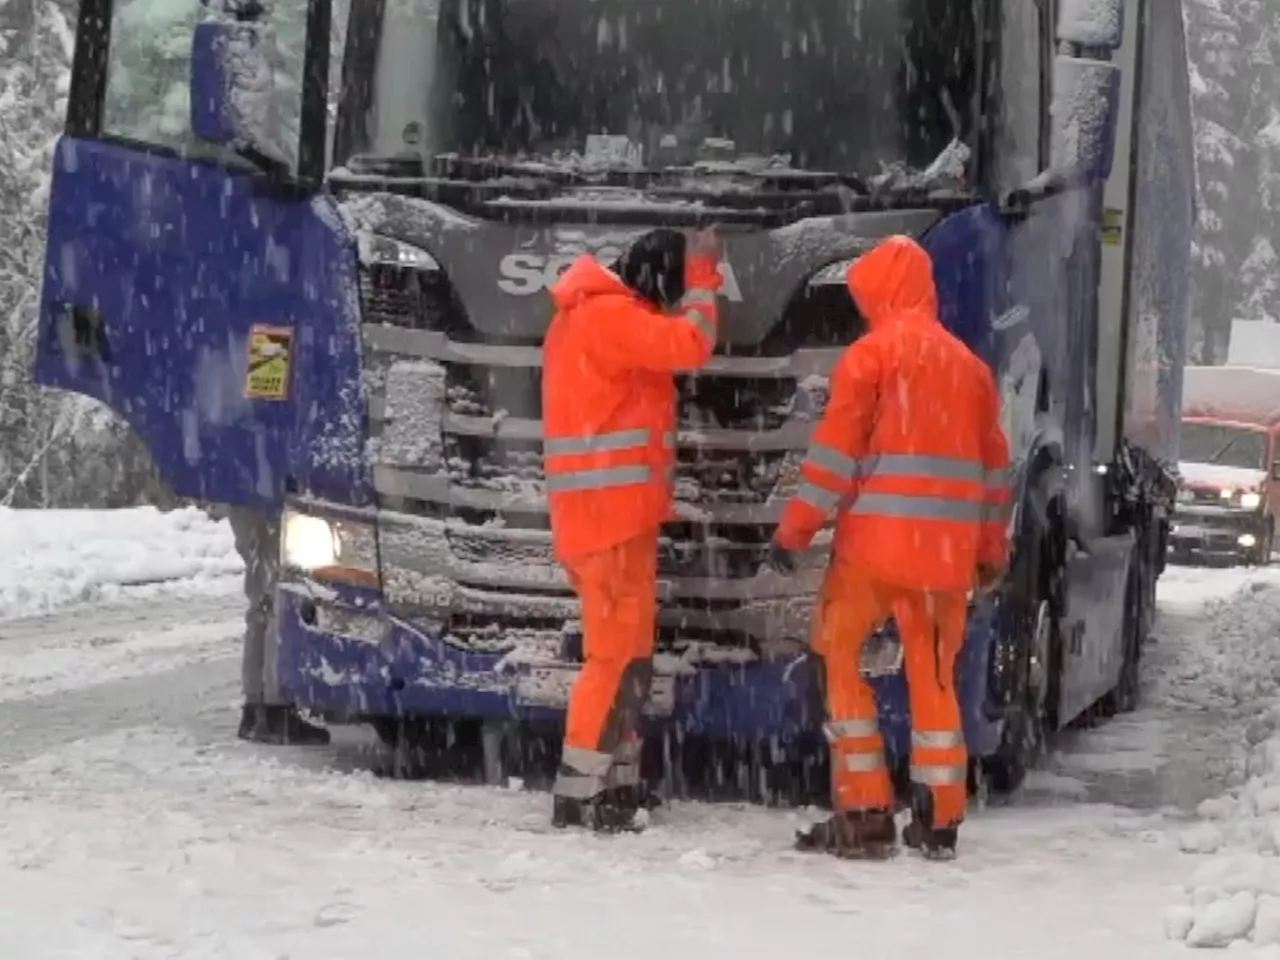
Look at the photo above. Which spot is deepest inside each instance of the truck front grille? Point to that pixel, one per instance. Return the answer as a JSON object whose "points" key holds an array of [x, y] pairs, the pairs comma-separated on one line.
{"points": [[492, 545], [704, 401], [703, 477]]}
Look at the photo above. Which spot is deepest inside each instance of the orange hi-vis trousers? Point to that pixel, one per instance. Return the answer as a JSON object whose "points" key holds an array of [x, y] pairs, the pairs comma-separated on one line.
{"points": [[932, 626], [618, 589]]}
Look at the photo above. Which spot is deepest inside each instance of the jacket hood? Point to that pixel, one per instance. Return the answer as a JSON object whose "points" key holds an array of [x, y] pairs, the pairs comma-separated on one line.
{"points": [[894, 278], [586, 277]]}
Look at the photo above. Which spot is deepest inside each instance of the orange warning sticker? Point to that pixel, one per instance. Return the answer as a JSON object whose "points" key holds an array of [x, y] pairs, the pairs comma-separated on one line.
{"points": [[270, 355]]}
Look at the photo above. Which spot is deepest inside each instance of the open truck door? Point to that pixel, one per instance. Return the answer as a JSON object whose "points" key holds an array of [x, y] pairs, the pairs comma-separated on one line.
{"points": [[197, 280]]}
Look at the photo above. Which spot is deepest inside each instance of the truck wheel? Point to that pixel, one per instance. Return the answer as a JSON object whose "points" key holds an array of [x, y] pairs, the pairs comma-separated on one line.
{"points": [[1022, 742], [1124, 699]]}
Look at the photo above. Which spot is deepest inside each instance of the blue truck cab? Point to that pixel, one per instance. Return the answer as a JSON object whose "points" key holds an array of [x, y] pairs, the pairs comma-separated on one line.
{"points": [[326, 296]]}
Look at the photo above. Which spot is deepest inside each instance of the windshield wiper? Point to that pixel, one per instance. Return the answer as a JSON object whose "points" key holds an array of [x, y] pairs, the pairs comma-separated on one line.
{"points": [[1216, 458]]}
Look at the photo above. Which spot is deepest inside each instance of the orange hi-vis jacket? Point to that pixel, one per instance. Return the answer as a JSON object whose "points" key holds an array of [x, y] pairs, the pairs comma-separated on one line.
{"points": [[910, 450], [609, 401]]}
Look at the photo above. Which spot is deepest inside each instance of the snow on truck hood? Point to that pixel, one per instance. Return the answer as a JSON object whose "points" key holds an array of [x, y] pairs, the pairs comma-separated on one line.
{"points": [[1217, 475]]}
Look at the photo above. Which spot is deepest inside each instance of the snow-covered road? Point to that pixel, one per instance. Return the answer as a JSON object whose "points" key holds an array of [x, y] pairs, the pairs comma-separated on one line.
{"points": [[134, 825]]}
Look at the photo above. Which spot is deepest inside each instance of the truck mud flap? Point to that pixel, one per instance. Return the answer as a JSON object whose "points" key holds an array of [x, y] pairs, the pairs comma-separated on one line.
{"points": [[548, 685]]}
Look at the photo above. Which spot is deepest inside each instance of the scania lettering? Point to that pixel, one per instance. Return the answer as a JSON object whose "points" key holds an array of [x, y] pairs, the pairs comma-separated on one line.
{"points": [[404, 241], [524, 274]]}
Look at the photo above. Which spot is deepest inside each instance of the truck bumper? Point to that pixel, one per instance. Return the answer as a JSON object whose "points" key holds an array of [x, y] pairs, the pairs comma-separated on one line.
{"points": [[1218, 537], [342, 654]]}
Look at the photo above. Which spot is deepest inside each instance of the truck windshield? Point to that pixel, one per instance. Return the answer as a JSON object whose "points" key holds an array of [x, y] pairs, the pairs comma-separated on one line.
{"points": [[816, 84], [1227, 446]]}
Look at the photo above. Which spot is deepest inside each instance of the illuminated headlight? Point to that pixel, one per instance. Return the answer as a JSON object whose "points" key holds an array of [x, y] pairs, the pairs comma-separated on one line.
{"points": [[832, 275], [1226, 494], [384, 251], [330, 549], [1250, 501], [1247, 540]]}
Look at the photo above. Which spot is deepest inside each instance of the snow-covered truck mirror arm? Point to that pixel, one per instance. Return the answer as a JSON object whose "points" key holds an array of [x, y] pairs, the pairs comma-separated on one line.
{"points": [[1086, 102], [232, 83]]}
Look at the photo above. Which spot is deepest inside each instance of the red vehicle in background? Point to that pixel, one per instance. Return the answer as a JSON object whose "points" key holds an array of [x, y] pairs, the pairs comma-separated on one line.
{"points": [[1229, 466]]}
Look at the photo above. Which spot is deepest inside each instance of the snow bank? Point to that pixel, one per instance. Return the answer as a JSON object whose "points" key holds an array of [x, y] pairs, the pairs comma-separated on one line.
{"points": [[1234, 893], [52, 558]]}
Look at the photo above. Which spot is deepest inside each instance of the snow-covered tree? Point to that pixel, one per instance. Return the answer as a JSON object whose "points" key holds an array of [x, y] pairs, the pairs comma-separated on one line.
{"points": [[1235, 53]]}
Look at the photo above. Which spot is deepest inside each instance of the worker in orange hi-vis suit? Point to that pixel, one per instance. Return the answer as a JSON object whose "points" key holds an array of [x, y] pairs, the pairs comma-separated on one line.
{"points": [[911, 456], [609, 412]]}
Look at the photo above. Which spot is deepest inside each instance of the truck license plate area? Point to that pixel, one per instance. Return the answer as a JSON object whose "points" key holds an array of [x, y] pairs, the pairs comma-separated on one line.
{"points": [[548, 685], [881, 656]]}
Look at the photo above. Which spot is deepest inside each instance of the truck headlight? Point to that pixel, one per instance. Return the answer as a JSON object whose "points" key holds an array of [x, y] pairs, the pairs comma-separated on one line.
{"points": [[1250, 501], [329, 548]]}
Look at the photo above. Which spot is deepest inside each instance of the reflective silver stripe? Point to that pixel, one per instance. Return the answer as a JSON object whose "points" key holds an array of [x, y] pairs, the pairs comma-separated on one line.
{"points": [[816, 496], [937, 739], [596, 443], [997, 512], [623, 775], [831, 459], [938, 776], [917, 508], [700, 320], [577, 786], [588, 762], [840, 729], [669, 439], [998, 478], [697, 295], [921, 465], [864, 762], [628, 751], [600, 479]]}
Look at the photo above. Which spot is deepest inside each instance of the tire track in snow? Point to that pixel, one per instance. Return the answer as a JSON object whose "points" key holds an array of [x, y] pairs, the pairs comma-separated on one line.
{"points": [[89, 646], [93, 669], [1214, 661]]}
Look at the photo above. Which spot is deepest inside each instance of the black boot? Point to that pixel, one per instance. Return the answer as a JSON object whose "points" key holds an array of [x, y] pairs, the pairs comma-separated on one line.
{"points": [[936, 843], [282, 725], [855, 835], [603, 813], [249, 715]]}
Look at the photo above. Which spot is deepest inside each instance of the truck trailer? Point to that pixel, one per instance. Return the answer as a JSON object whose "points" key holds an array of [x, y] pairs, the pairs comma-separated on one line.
{"points": [[347, 329]]}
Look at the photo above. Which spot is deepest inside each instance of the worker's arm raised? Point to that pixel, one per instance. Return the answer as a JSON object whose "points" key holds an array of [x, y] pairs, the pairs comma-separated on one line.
{"points": [[829, 472], [637, 335]]}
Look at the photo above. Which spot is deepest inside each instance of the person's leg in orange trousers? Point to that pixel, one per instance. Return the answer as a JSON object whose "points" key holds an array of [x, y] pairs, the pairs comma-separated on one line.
{"points": [[618, 592], [932, 626], [850, 607]]}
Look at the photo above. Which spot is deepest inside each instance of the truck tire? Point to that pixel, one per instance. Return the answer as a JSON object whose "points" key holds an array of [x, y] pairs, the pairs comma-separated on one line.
{"points": [[1022, 741], [1137, 619], [1037, 583]]}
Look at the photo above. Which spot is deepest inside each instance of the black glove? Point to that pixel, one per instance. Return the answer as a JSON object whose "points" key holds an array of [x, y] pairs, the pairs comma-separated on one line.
{"points": [[780, 560]]}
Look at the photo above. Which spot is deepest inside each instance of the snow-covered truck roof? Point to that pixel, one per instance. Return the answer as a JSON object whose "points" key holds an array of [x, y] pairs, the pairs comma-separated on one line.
{"points": [[1237, 393]]}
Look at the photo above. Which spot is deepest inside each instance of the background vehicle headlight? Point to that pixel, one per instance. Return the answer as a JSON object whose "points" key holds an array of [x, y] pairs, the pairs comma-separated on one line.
{"points": [[1250, 501], [329, 548]]}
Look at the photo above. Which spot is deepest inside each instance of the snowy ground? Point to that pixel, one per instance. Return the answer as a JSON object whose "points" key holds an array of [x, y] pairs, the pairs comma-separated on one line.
{"points": [[133, 825], [57, 557]]}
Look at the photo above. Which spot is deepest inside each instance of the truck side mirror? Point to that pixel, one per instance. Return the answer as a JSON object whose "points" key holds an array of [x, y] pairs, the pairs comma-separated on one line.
{"points": [[1083, 118], [1091, 23], [1275, 470], [232, 86], [1085, 107]]}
